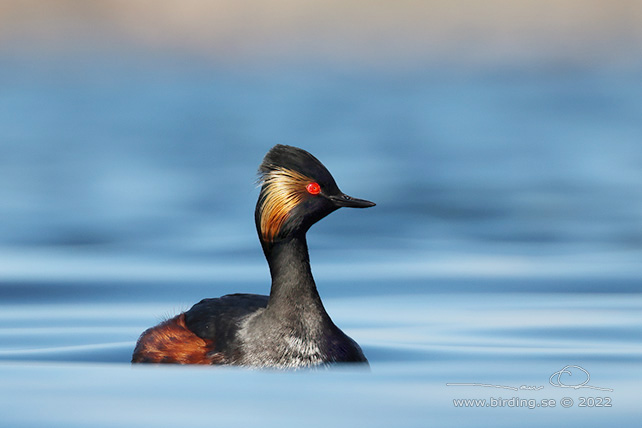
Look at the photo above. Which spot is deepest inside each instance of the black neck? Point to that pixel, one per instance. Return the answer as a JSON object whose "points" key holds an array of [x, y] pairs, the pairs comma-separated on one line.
{"points": [[293, 294]]}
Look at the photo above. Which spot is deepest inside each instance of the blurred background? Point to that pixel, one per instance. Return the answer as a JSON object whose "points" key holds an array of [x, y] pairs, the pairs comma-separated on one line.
{"points": [[138, 125], [501, 140]]}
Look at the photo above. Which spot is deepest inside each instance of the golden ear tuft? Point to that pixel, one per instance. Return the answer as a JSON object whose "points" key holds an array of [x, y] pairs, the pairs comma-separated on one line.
{"points": [[283, 189]]}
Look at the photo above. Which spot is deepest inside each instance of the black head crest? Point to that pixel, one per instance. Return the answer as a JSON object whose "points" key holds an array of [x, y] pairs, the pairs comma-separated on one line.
{"points": [[296, 159]]}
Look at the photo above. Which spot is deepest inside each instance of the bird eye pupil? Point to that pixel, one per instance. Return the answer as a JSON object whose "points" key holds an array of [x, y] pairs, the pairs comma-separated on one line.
{"points": [[313, 188]]}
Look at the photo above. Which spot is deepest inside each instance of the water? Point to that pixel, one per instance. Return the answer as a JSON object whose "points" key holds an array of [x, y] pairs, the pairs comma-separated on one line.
{"points": [[506, 242]]}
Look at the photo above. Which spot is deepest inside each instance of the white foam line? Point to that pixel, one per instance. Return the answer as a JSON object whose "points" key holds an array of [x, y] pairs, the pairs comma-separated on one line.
{"points": [[62, 349], [51, 266]]}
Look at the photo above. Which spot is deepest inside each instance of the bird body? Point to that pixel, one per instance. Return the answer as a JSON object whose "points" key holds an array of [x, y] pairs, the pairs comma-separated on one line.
{"points": [[290, 328]]}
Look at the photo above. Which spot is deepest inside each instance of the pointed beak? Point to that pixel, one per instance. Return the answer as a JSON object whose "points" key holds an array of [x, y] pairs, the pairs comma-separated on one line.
{"points": [[343, 200]]}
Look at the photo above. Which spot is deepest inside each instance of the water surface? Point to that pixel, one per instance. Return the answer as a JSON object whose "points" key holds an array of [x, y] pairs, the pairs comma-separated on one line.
{"points": [[506, 242]]}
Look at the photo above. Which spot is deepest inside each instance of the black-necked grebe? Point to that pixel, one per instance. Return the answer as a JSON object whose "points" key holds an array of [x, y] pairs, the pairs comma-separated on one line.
{"points": [[289, 328]]}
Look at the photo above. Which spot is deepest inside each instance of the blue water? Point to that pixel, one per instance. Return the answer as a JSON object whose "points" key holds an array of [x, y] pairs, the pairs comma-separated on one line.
{"points": [[506, 243]]}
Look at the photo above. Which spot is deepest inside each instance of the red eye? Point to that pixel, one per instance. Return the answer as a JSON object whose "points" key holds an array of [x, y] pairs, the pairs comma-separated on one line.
{"points": [[313, 188]]}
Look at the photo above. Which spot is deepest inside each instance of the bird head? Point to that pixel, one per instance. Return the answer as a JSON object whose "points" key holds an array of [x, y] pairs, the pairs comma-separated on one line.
{"points": [[297, 190]]}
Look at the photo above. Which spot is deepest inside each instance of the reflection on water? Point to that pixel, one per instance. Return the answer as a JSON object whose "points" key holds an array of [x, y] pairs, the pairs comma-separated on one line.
{"points": [[504, 246]]}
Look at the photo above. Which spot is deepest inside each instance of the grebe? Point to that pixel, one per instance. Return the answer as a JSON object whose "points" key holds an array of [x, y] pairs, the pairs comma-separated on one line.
{"points": [[290, 328]]}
